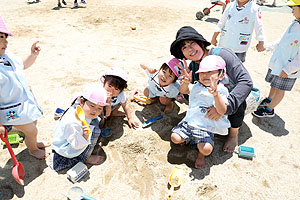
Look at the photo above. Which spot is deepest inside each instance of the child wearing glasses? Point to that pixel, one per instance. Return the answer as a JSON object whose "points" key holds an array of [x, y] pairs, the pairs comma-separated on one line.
{"points": [[195, 128], [18, 106], [162, 83]]}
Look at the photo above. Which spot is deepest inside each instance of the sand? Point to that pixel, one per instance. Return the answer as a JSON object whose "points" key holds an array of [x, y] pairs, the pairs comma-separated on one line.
{"points": [[78, 45]]}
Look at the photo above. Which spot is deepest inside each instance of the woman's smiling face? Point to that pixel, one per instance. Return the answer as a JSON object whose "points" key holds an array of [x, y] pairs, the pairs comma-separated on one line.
{"points": [[191, 50]]}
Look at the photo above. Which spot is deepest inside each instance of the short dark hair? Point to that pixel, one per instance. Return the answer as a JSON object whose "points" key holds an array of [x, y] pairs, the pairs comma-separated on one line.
{"points": [[181, 44], [166, 67], [115, 81]]}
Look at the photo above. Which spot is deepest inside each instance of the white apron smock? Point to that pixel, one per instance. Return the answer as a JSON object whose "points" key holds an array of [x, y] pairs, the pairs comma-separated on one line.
{"points": [[236, 33], [286, 50], [199, 101], [17, 103]]}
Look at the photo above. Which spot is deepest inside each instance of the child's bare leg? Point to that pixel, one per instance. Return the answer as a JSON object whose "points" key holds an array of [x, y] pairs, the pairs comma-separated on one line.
{"points": [[94, 160], [177, 139], [205, 149], [168, 103], [272, 93], [146, 93], [277, 97], [117, 113], [30, 132], [232, 140]]}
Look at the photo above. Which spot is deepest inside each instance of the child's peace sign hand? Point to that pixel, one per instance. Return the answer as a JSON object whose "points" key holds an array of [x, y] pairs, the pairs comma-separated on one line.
{"points": [[186, 72], [213, 85]]}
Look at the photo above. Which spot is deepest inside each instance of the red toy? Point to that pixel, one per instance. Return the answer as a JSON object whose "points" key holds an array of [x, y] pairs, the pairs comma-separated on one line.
{"points": [[206, 11]]}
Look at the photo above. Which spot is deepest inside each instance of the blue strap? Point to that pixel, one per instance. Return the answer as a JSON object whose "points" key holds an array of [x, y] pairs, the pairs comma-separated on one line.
{"points": [[216, 51]]}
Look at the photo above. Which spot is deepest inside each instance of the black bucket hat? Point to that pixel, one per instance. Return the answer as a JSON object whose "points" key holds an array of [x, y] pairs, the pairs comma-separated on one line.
{"points": [[186, 33]]}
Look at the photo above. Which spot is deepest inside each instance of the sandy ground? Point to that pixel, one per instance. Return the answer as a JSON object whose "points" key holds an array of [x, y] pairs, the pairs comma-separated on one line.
{"points": [[80, 44]]}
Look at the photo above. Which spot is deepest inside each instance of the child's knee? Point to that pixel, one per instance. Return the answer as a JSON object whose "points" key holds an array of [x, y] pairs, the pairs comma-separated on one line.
{"points": [[205, 148], [146, 92], [177, 139], [164, 100]]}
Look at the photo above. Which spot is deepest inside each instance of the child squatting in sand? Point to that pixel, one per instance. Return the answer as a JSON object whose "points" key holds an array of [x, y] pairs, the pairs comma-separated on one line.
{"points": [[72, 142], [114, 82], [207, 92], [163, 83]]}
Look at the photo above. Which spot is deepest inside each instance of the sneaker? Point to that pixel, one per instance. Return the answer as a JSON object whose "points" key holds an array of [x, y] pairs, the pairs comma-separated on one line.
{"points": [[58, 113], [75, 4], [263, 112], [264, 103], [65, 3], [83, 2], [59, 5]]}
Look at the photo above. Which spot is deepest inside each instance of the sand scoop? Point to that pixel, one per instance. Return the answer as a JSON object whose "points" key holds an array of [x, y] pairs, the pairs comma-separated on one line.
{"points": [[175, 180], [18, 171]]}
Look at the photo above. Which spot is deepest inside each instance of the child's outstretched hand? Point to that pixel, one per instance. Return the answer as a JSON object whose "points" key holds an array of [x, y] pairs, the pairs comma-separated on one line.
{"points": [[133, 123], [150, 70], [213, 85], [35, 48]]}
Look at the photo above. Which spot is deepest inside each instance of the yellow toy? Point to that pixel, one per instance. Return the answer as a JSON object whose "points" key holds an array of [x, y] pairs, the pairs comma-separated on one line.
{"points": [[175, 180], [79, 114]]}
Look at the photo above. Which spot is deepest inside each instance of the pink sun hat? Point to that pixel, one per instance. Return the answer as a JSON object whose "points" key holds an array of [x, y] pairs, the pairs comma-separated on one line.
{"points": [[96, 94], [173, 66], [115, 72], [3, 28], [211, 63]]}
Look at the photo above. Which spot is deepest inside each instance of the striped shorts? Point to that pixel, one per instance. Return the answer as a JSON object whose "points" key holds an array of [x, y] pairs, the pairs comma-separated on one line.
{"points": [[280, 83], [192, 134]]}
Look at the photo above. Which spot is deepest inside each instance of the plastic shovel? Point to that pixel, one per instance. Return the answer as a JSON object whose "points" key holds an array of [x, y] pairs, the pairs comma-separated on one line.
{"points": [[76, 193], [136, 95], [79, 114], [18, 171], [174, 180], [151, 121]]}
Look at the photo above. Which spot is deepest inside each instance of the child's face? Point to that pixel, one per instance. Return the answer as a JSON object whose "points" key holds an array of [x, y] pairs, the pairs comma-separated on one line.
{"points": [[165, 77], [191, 50], [204, 77], [112, 89], [3, 43], [296, 11], [90, 109], [242, 2]]}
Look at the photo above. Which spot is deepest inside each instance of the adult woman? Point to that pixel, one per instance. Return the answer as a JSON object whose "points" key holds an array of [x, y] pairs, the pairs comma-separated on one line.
{"points": [[191, 45]]}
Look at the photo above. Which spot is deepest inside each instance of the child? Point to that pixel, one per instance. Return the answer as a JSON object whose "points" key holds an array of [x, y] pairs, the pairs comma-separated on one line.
{"points": [[208, 92], [71, 141], [163, 83], [191, 45], [236, 26], [284, 65], [18, 107], [114, 82]]}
